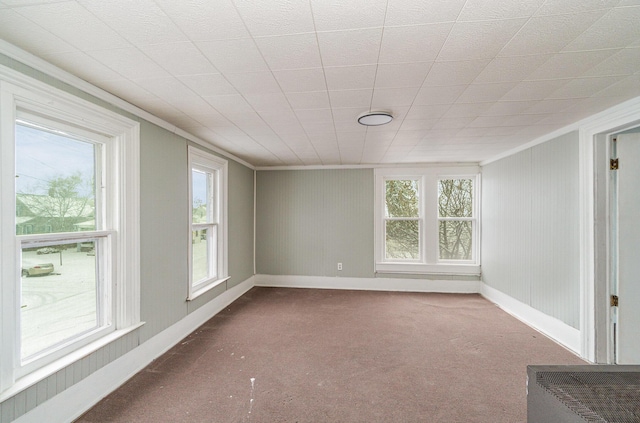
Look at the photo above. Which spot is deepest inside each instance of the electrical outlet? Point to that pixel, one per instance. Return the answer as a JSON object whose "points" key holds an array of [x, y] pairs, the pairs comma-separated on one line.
{"points": [[339, 266]]}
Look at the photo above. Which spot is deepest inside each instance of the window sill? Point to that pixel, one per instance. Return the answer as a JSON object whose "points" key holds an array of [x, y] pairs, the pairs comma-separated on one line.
{"points": [[44, 372], [208, 287], [429, 269]]}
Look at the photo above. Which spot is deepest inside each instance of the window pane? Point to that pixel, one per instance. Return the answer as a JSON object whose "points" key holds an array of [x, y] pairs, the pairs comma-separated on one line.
{"points": [[402, 239], [59, 294], [199, 189], [199, 262], [55, 182], [455, 198], [456, 239], [401, 198], [202, 194], [204, 246]]}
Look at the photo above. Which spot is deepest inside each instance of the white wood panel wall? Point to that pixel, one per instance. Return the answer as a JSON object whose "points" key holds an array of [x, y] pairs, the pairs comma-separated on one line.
{"points": [[530, 223]]}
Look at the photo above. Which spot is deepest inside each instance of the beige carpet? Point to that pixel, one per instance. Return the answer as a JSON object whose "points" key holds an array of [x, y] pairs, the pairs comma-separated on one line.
{"points": [[300, 355]]}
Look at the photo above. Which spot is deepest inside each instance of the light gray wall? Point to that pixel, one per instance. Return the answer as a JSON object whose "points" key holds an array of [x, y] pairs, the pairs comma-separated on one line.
{"points": [[241, 198], [309, 220], [164, 238], [164, 235], [530, 227]]}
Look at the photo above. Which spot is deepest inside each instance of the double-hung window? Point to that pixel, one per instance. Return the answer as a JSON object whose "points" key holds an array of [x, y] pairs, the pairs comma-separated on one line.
{"points": [[456, 219], [64, 257], [403, 218], [69, 236], [208, 211], [427, 220]]}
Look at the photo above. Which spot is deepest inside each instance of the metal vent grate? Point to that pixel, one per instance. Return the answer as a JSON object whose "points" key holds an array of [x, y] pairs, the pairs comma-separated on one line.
{"points": [[596, 396]]}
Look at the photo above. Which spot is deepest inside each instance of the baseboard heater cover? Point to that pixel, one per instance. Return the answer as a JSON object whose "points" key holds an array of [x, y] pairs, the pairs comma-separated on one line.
{"points": [[587, 393]]}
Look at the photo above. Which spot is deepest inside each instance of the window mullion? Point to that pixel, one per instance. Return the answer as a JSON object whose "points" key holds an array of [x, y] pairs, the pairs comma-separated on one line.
{"points": [[430, 231]]}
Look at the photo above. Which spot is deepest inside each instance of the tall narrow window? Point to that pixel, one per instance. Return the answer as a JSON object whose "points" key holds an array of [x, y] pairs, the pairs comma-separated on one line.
{"points": [[69, 268], [208, 222], [57, 170], [456, 219], [402, 219], [204, 225]]}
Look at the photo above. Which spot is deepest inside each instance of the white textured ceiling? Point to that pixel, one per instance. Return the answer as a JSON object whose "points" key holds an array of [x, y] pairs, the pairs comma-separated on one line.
{"points": [[281, 82]]}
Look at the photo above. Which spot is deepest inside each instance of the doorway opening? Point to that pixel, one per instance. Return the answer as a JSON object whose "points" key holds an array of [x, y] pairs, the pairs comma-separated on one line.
{"points": [[615, 240]]}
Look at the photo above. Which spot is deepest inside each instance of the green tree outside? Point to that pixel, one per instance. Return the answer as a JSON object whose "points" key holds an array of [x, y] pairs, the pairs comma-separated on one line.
{"points": [[402, 224]]}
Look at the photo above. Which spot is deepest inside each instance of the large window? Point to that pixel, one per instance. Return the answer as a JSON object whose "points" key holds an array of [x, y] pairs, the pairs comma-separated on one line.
{"points": [[427, 220], [208, 199], [69, 232], [59, 180]]}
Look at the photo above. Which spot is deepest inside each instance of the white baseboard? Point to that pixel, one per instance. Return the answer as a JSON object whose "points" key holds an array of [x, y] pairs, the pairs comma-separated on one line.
{"points": [[73, 402], [560, 332], [370, 284], [553, 328]]}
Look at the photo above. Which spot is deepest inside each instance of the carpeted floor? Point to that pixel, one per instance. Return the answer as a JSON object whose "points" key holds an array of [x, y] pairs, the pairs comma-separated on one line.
{"points": [[302, 355]]}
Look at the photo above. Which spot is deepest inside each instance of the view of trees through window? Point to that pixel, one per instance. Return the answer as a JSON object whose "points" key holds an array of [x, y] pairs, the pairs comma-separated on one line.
{"points": [[455, 219], [55, 181], [56, 193], [402, 224], [455, 213]]}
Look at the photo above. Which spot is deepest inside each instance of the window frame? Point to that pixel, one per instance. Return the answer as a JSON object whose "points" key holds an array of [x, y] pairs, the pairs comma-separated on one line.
{"points": [[429, 261], [119, 237], [205, 162], [420, 218], [473, 219]]}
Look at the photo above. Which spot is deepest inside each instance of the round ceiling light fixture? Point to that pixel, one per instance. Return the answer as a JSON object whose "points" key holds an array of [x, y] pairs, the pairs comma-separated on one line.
{"points": [[375, 118]]}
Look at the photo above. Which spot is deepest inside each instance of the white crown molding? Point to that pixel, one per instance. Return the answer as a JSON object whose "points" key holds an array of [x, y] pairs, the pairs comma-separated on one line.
{"points": [[53, 71], [370, 166]]}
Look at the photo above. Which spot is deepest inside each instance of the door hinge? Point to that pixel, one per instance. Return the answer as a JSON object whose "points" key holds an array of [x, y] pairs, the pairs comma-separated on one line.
{"points": [[614, 164], [614, 301]]}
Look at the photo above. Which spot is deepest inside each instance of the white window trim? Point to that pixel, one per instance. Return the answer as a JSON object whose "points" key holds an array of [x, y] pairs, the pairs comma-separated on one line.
{"points": [[202, 160], [20, 91], [428, 263]]}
